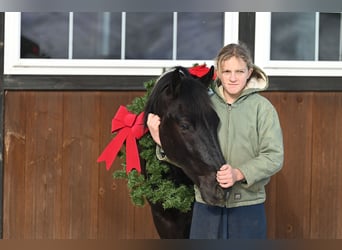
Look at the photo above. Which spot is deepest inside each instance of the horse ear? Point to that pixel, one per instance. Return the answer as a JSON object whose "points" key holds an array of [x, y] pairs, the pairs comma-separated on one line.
{"points": [[178, 74], [207, 78]]}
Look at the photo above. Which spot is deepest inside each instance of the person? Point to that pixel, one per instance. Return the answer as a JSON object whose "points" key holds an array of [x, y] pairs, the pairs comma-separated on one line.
{"points": [[251, 140]]}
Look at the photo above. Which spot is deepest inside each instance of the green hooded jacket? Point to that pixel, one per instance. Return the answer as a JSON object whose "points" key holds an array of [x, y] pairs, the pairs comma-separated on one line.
{"points": [[251, 139]]}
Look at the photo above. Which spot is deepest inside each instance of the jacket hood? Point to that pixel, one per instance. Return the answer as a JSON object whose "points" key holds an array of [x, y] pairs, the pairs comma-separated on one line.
{"points": [[258, 80]]}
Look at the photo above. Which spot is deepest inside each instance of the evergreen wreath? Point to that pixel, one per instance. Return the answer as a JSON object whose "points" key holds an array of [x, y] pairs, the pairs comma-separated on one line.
{"points": [[154, 187]]}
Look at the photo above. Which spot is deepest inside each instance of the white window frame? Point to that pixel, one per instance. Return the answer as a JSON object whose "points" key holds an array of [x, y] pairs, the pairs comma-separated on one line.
{"points": [[14, 65], [286, 68]]}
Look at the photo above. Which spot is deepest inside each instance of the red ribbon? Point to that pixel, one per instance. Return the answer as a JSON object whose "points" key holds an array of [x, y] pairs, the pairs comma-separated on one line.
{"points": [[200, 70], [129, 127]]}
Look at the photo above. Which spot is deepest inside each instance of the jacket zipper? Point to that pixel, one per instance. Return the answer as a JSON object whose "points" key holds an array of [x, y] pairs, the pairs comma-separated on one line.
{"points": [[229, 108]]}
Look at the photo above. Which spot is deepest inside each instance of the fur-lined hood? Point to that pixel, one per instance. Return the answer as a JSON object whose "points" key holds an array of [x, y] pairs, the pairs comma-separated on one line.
{"points": [[258, 80]]}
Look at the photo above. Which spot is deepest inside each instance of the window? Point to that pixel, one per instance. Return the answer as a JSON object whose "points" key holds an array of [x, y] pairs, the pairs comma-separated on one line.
{"points": [[302, 44], [113, 43]]}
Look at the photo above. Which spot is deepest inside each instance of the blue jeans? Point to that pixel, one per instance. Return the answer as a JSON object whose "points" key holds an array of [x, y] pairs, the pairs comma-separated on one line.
{"points": [[211, 222]]}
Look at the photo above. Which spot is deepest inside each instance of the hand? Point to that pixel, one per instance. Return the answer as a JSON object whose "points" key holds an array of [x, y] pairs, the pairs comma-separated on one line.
{"points": [[153, 122], [227, 176]]}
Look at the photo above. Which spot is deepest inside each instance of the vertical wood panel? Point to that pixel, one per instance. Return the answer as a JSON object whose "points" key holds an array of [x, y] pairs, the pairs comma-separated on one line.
{"points": [[288, 204], [79, 150], [14, 159], [326, 164], [42, 168]]}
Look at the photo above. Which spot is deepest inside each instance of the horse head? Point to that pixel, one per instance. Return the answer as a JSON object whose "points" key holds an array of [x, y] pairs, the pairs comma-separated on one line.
{"points": [[188, 128]]}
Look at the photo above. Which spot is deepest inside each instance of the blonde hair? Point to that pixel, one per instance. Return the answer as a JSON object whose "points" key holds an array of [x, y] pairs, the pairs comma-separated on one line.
{"points": [[239, 51], [234, 50]]}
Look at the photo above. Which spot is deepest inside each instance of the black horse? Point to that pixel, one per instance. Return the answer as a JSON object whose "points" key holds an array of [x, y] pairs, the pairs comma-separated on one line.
{"points": [[188, 134]]}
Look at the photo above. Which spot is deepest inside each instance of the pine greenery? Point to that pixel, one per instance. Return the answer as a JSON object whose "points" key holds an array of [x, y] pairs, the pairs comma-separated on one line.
{"points": [[153, 188]]}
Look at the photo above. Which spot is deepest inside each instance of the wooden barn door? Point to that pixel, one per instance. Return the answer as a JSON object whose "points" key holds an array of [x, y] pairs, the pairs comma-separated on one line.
{"points": [[55, 189], [53, 186]]}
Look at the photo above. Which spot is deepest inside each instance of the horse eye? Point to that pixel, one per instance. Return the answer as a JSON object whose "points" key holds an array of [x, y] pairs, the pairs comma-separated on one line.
{"points": [[184, 126]]}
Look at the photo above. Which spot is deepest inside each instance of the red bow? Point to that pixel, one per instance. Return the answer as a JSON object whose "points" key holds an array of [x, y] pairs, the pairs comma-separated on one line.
{"points": [[129, 127], [200, 70]]}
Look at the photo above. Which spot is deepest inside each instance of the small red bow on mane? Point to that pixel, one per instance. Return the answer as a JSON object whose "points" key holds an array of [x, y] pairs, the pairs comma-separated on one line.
{"points": [[129, 127], [200, 70]]}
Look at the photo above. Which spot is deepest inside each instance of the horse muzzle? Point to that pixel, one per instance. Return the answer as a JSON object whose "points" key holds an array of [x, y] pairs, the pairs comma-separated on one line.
{"points": [[212, 193]]}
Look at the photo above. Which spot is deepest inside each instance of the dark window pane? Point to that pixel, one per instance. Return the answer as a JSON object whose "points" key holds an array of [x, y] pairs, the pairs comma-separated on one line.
{"points": [[149, 35], [292, 36], [200, 35], [44, 35], [97, 35], [329, 36]]}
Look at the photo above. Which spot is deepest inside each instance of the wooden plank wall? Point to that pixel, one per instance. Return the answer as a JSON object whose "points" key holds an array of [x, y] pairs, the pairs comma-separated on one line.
{"points": [[55, 189], [53, 186], [305, 198]]}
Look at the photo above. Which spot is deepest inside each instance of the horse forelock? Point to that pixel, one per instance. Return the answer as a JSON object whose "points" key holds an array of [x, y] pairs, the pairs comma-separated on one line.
{"points": [[195, 98]]}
